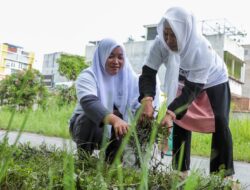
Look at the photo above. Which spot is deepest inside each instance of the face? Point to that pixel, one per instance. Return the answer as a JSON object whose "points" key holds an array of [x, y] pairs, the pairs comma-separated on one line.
{"points": [[115, 61], [170, 39]]}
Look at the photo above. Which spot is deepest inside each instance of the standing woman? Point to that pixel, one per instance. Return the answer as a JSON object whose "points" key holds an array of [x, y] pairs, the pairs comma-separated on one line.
{"points": [[202, 103], [106, 91]]}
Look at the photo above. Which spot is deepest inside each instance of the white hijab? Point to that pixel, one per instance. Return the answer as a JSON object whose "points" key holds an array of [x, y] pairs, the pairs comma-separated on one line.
{"points": [[121, 89], [194, 50], [171, 77]]}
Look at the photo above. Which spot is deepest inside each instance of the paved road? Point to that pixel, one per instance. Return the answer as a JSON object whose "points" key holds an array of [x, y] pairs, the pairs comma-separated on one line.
{"points": [[242, 169]]}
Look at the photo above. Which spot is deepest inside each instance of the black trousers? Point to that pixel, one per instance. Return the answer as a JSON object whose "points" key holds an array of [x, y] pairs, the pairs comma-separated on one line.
{"points": [[222, 147], [88, 136]]}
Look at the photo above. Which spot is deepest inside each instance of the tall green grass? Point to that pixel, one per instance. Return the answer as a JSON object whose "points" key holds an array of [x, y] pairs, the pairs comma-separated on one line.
{"points": [[54, 122], [240, 130], [7, 153], [50, 122], [23, 167]]}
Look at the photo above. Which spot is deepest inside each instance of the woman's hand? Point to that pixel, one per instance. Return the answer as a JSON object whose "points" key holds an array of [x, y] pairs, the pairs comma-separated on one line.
{"points": [[120, 126], [167, 124], [147, 109], [167, 121]]}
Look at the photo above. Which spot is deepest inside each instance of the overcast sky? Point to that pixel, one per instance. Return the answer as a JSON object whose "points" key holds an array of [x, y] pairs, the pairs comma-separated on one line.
{"points": [[47, 26]]}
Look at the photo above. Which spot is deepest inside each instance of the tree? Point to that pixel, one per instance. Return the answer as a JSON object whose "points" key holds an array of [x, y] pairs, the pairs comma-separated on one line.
{"points": [[23, 89], [70, 66]]}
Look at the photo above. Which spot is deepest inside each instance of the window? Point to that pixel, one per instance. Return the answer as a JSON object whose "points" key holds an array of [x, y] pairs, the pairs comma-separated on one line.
{"points": [[24, 66], [234, 65], [13, 64], [8, 63], [13, 71], [246, 52], [11, 56]]}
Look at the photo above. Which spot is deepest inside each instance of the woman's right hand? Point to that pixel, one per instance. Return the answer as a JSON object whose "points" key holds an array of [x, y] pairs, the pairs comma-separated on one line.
{"points": [[147, 111], [120, 126]]}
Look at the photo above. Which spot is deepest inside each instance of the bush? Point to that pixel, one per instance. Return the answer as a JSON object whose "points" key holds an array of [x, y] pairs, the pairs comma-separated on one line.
{"points": [[23, 89], [65, 95]]}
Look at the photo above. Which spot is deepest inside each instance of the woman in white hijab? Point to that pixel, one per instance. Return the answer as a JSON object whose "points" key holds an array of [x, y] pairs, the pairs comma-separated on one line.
{"points": [[106, 91], [202, 102]]}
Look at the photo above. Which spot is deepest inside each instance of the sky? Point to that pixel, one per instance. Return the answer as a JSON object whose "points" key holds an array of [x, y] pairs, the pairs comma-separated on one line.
{"points": [[48, 26]]}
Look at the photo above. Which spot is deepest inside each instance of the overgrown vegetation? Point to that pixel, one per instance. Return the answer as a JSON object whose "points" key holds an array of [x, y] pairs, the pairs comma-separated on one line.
{"points": [[70, 66], [26, 167], [65, 95], [22, 90], [50, 168], [54, 122], [201, 143]]}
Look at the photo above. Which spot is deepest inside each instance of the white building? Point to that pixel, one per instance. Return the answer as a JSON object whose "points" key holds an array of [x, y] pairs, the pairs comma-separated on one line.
{"points": [[50, 70], [246, 86], [14, 58]]}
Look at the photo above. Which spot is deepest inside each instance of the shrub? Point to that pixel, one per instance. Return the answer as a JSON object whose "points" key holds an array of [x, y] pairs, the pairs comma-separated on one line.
{"points": [[65, 95], [22, 90]]}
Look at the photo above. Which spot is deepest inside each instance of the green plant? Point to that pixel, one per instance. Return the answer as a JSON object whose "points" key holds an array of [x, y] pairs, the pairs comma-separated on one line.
{"points": [[23, 89], [70, 66], [65, 95], [46, 167], [24, 167], [53, 121], [5, 152]]}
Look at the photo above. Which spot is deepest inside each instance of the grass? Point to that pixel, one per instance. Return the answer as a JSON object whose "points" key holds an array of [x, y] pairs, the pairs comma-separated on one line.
{"points": [[49, 168], [51, 122], [201, 143], [24, 167], [54, 122]]}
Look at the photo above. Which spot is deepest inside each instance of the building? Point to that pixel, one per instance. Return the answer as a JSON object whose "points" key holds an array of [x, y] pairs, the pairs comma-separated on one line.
{"points": [[246, 86], [13, 58], [50, 70], [226, 40], [243, 103]]}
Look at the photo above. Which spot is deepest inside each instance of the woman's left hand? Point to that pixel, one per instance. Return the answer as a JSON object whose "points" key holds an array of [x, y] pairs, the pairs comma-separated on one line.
{"points": [[167, 121]]}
